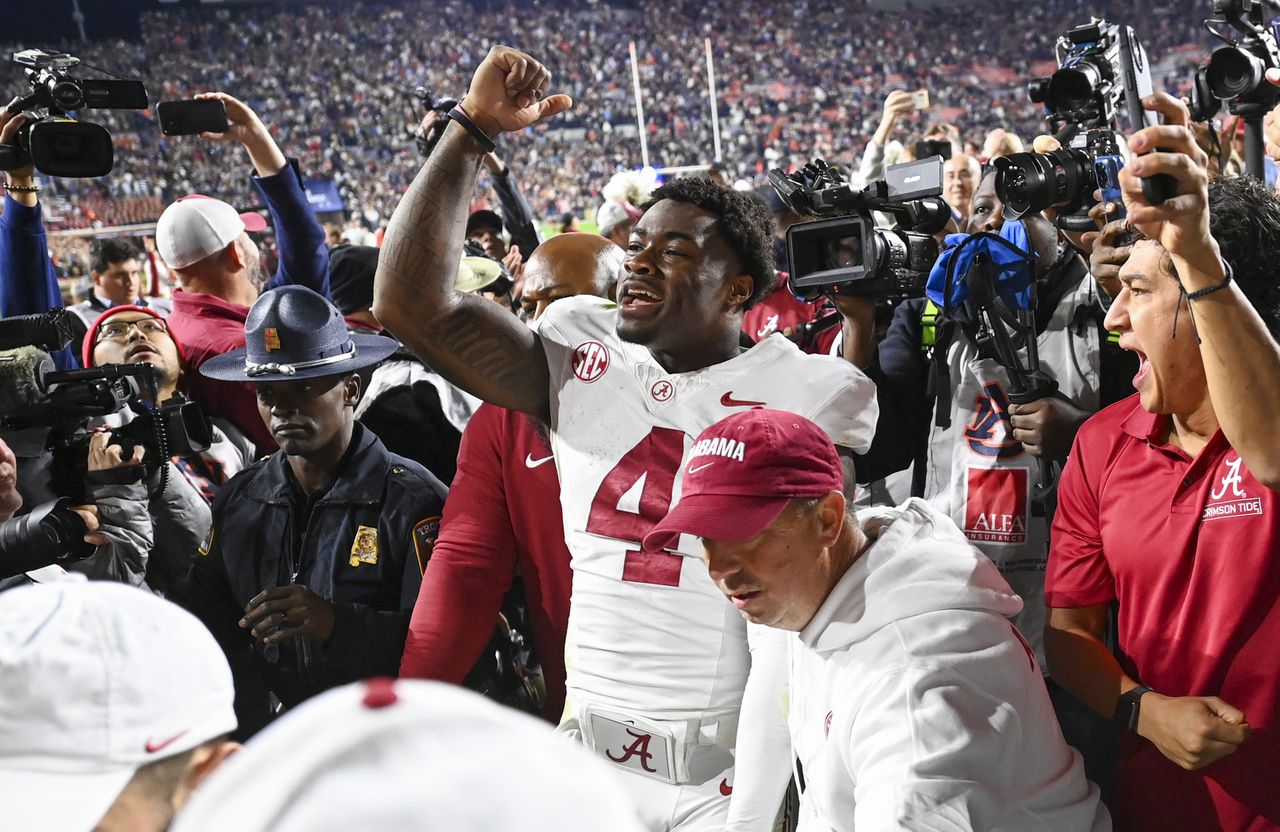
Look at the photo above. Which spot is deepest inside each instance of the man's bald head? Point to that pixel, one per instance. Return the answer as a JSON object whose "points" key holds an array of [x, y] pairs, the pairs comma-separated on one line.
{"points": [[568, 265]]}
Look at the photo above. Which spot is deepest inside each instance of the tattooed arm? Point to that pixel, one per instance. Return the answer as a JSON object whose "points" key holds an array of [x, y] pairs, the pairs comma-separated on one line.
{"points": [[470, 341]]}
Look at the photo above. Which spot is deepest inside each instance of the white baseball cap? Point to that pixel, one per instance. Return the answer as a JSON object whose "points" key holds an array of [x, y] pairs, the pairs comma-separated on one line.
{"points": [[96, 680], [198, 226], [409, 755], [613, 213]]}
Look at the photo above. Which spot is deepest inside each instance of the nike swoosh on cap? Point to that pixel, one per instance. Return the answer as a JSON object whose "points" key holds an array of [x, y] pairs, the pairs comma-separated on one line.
{"points": [[153, 746], [727, 400], [530, 462], [700, 467]]}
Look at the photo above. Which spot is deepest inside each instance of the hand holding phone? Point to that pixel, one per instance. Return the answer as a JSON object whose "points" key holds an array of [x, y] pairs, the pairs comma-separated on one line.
{"points": [[192, 117]]}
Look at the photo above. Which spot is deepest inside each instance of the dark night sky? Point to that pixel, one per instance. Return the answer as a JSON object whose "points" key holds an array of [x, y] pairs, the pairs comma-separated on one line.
{"points": [[30, 22]]}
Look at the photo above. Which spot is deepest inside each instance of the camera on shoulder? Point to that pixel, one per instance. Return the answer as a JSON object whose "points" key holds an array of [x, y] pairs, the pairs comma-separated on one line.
{"points": [[847, 253]]}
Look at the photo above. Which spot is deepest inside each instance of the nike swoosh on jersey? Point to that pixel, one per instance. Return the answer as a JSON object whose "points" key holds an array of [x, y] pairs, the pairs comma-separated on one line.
{"points": [[530, 462], [153, 747], [725, 788], [727, 400], [700, 467]]}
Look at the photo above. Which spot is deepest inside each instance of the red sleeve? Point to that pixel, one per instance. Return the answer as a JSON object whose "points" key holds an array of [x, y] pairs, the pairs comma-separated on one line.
{"points": [[1078, 574], [472, 565]]}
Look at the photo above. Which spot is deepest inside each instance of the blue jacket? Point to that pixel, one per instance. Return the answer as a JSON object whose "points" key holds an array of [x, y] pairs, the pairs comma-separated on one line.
{"points": [[361, 545], [29, 283]]}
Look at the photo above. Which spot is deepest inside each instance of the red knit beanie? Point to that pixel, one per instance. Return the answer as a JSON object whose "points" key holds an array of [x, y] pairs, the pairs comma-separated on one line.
{"points": [[91, 338]]}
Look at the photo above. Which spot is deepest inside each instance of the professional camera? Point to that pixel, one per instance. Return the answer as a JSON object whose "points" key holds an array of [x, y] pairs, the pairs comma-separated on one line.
{"points": [[48, 534], [1102, 67], [1236, 73], [428, 140], [56, 143], [848, 254], [35, 394]]}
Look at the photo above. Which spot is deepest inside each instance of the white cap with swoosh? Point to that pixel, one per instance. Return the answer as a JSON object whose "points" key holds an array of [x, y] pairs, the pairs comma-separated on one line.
{"points": [[96, 680]]}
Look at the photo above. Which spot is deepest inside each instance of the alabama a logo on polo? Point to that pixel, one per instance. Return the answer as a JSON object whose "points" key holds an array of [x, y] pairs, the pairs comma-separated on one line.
{"points": [[1229, 497]]}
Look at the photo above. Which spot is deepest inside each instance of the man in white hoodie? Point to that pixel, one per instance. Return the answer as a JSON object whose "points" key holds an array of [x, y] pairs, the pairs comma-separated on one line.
{"points": [[914, 703]]}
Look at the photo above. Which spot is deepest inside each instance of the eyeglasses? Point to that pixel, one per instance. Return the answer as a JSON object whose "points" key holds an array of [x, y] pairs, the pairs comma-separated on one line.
{"points": [[119, 330]]}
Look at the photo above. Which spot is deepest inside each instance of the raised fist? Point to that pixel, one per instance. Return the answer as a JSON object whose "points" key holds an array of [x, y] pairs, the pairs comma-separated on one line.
{"points": [[506, 93]]}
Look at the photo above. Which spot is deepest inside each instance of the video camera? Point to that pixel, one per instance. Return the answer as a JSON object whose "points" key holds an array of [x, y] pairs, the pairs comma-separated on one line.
{"points": [[1102, 67], [34, 394], [1236, 72], [56, 143], [848, 254]]}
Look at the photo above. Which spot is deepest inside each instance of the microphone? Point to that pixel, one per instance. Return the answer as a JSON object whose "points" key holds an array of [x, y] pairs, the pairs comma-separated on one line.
{"points": [[22, 395]]}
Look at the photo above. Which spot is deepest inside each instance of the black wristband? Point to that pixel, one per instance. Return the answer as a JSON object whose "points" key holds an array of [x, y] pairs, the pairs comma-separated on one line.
{"points": [[1209, 290], [1128, 706], [470, 126]]}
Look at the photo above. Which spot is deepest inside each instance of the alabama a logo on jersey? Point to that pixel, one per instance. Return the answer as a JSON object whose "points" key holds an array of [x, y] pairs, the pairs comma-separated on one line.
{"points": [[1229, 497]]}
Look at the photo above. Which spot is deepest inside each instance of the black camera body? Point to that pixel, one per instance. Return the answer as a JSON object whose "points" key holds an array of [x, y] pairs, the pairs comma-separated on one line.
{"points": [[33, 393], [50, 533], [847, 253], [1102, 70], [1236, 72], [53, 141]]}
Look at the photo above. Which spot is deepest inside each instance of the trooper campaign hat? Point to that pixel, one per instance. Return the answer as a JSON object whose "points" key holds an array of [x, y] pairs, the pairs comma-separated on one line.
{"points": [[293, 333]]}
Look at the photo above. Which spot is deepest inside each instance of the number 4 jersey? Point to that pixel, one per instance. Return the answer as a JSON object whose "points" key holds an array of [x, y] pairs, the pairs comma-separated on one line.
{"points": [[650, 634]]}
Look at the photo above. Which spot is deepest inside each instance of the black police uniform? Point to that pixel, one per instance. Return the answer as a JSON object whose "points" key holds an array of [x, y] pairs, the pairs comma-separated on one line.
{"points": [[361, 544]]}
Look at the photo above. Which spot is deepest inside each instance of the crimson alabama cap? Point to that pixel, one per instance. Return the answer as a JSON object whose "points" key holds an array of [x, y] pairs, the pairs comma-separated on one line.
{"points": [[742, 472]]}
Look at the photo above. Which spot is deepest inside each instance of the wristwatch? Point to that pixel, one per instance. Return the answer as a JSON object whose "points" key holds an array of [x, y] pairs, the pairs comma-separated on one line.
{"points": [[1127, 708]]}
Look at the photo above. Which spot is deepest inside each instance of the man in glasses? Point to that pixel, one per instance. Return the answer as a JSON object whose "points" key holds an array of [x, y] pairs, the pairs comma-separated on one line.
{"points": [[167, 524]]}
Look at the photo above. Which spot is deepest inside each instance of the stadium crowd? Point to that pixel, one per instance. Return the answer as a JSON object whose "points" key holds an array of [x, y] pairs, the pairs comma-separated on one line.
{"points": [[795, 79], [985, 540]]}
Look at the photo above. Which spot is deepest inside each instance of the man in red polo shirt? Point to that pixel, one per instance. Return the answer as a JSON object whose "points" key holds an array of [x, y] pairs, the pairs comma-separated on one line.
{"points": [[1169, 506]]}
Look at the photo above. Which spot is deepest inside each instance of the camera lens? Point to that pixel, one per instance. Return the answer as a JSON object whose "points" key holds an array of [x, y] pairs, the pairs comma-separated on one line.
{"points": [[66, 95], [844, 252], [1028, 183], [1233, 72], [1073, 89]]}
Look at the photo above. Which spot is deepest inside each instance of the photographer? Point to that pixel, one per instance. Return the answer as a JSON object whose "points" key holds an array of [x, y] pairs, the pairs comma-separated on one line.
{"points": [[977, 458], [879, 153], [1168, 507], [137, 335]]}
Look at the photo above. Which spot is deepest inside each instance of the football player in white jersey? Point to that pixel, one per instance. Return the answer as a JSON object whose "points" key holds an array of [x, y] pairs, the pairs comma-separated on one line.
{"points": [[664, 678]]}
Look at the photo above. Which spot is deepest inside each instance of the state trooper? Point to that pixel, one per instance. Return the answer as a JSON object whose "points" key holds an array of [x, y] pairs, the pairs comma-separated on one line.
{"points": [[310, 570]]}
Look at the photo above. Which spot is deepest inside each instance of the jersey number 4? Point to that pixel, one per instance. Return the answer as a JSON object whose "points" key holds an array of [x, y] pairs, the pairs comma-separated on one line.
{"points": [[655, 459]]}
